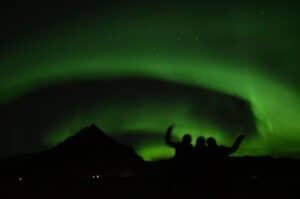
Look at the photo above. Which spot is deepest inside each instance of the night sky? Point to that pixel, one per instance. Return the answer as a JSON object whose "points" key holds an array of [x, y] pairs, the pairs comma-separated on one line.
{"points": [[212, 68]]}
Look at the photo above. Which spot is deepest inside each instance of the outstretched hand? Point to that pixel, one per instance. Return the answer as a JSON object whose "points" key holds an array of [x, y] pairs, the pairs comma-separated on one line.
{"points": [[169, 135], [170, 128], [241, 137], [236, 144]]}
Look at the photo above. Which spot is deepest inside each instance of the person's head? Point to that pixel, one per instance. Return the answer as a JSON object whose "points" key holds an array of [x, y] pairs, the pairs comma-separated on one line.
{"points": [[211, 142], [187, 139], [200, 142]]}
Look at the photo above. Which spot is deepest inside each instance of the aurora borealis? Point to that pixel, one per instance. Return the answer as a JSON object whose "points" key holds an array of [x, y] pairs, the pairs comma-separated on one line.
{"points": [[244, 50]]}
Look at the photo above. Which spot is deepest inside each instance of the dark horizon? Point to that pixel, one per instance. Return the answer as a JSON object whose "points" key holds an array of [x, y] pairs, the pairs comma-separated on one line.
{"points": [[94, 164]]}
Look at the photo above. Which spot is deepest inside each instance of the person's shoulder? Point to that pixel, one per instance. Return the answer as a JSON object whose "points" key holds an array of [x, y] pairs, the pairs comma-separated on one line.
{"points": [[179, 144]]}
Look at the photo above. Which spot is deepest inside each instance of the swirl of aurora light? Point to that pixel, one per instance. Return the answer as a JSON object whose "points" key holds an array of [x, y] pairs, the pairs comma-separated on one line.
{"points": [[245, 51]]}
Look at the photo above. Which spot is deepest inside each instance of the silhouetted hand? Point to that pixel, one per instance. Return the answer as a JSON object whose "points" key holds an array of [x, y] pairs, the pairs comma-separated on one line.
{"points": [[236, 144], [168, 136], [170, 128], [240, 138]]}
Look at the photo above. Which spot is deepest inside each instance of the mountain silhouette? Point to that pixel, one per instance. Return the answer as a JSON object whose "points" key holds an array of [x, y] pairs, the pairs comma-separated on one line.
{"points": [[91, 160], [91, 149]]}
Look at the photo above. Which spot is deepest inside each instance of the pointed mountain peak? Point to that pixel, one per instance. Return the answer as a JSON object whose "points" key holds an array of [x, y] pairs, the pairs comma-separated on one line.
{"points": [[88, 136], [94, 142], [92, 148], [90, 131]]}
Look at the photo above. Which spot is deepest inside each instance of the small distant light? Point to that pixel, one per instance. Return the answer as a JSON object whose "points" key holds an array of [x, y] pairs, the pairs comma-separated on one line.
{"points": [[93, 176], [97, 176], [20, 179], [254, 177]]}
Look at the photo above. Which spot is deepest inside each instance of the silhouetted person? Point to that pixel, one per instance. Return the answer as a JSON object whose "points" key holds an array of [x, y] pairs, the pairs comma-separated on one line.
{"points": [[200, 147], [212, 147], [199, 157], [183, 149], [181, 168], [216, 157], [214, 150]]}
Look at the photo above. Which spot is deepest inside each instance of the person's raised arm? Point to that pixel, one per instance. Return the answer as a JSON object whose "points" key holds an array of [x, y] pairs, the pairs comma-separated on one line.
{"points": [[168, 137], [236, 144]]}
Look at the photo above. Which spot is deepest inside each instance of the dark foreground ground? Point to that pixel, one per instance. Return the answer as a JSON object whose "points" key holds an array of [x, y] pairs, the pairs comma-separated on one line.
{"points": [[232, 178], [91, 164]]}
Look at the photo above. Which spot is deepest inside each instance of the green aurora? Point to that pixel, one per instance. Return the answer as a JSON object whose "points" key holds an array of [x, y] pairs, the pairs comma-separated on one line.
{"points": [[250, 53]]}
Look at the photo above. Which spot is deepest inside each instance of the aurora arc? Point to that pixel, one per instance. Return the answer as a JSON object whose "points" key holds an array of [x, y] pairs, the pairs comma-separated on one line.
{"points": [[167, 49]]}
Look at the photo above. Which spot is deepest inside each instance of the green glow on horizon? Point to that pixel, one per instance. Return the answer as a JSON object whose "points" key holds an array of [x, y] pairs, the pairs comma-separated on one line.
{"points": [[128, 47]]}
